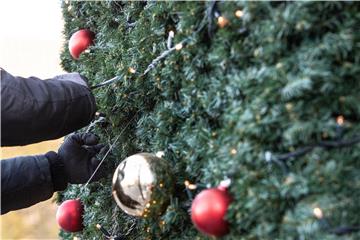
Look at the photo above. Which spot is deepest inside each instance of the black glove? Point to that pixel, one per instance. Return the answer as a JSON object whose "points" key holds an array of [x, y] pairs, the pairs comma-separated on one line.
{"points": [[76, 160]]}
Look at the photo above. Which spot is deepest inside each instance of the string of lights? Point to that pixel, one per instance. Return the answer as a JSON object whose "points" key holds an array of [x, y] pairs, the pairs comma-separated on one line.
{"points": [[304, 150]]}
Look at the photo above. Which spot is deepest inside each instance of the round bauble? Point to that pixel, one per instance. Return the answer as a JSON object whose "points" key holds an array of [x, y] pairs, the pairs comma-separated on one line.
{"points": [[208, 211], [80, 41], [69, 215], [142, 185]]}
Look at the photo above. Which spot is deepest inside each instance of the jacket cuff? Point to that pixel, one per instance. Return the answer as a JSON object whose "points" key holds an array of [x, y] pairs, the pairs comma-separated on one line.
{"points": [[57, 169]]}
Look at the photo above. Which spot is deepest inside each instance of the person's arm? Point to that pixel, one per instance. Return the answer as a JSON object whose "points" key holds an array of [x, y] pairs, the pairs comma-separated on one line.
{"points": [[24, 182], [34, 110], [28, 180]]}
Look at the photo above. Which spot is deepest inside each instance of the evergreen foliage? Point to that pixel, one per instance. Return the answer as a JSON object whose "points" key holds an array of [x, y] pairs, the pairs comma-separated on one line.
{"points": [[230, 103]]}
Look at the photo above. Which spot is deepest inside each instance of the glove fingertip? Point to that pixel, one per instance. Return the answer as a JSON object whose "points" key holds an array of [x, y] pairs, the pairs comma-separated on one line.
{"points": [[98, 147], [90, 139]]}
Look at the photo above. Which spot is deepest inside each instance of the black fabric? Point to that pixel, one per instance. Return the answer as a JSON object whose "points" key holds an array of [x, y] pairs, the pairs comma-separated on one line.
{"points": [[34, 110], [57, 170], [24, 182], [78, 154]]}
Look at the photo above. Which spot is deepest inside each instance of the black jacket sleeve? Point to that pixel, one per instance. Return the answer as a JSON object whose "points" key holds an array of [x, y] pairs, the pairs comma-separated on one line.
{"points": [[34, 110], [24, 182], [28, 180]]}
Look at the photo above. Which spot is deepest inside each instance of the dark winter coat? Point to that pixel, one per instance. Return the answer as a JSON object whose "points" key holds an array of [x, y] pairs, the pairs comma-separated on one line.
{"points": [[34, 110]]}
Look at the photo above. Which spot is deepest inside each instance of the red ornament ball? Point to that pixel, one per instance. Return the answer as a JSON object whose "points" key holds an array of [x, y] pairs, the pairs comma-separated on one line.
{"points": [[69, 215], [208, 211], [80, 41]]}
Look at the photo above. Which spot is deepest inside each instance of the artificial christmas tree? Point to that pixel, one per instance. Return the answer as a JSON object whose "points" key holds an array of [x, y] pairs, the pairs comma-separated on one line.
{"points": [[263, 93]]}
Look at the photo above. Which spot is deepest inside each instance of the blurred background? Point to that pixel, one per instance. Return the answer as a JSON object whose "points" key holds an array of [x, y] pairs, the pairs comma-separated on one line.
{"points": [[30, 42]]}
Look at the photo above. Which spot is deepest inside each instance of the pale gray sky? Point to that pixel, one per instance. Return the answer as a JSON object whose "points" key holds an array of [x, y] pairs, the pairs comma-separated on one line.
{"points": [[31, 37]]}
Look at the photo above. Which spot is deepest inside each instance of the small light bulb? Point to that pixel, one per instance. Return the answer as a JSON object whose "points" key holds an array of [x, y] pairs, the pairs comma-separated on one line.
{"points": [[279, 65], [239, 13], [187, 183], [178, 46], [192, 186], [340, 120], [318, 213], [160, 154], [161, 185], [132, 70], [233, 151], [171, 34], [148, 205], [225, 183], [268, 155], [222, 21]]}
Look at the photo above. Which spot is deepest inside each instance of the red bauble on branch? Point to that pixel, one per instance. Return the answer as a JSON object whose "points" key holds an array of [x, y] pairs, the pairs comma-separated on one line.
{"points": [[80, 41], [69, 215], [208, 211]]}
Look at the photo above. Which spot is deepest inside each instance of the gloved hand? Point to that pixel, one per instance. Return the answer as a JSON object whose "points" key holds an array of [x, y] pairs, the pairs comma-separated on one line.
{"points": [[72, 77], [78, 154], [76, 160]]}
